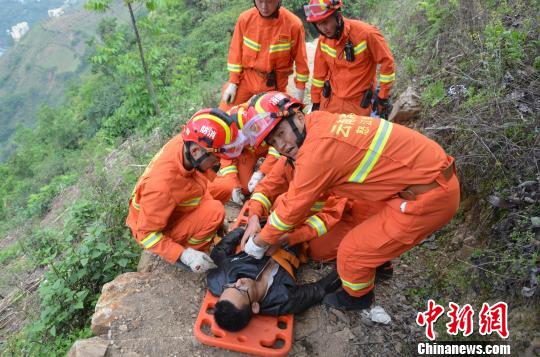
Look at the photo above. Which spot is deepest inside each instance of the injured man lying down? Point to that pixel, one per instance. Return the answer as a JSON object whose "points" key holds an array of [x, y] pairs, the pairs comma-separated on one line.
{"points": [[248, 286]]}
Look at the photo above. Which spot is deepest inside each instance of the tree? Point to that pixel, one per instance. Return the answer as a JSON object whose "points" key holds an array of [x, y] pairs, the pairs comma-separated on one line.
{"points": [[104, 5]]}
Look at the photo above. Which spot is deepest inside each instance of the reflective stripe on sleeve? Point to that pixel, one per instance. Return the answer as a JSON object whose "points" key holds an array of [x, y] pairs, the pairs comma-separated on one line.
{"points": [[232, 169], [318, 206], [302, 77], [191, 202], [277, 223], [387, 78], [152, 239], [317, 224], [231, 67], [318, 83], [195, 241], [259, 197]]}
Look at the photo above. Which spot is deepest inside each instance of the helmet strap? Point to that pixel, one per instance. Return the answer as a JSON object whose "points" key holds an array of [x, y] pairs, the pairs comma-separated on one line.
{"points": [[300, 136], [196, 163], [339, 28]]}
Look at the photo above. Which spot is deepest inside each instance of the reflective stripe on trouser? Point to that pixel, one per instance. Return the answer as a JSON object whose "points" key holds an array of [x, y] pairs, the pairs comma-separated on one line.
{"points": [[202, 221], [396, 228], [338, 105], [252, 83], [325, 248]]}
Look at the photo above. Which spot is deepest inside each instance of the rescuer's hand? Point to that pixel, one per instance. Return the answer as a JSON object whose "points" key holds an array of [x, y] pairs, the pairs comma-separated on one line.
{"points": [[198, 262], [237, 196], [299, 94], [253, 249], [253, 227], [230, 93], [254, 180]]}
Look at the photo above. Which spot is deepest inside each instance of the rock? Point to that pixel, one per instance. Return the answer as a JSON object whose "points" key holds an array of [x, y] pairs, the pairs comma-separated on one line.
{"points": [[341, 316], [535, 222], [112, 304], [90, 347], [406, 107], [148, 262], [498, 202]]}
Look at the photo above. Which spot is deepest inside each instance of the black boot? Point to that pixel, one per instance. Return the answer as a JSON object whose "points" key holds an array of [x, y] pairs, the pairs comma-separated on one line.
{"points": [[343, 301], [384, 272]]}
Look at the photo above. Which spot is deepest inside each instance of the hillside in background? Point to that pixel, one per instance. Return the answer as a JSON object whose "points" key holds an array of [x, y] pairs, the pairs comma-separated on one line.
{"points": [[66, 183], [38, 70]]}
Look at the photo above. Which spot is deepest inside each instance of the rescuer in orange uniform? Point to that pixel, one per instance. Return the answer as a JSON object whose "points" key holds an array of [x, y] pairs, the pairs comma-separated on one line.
{"points": [[237, 176], [171, 212], [267, 40], [357, 158], [346, 59], [320, 226]]}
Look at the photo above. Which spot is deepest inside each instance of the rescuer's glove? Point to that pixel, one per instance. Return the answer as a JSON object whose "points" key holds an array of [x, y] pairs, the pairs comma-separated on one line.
{"points": [[299, 94], [237, 196], [382, 107], [253, 249], [254, 180], [198, 262], [230, 93]]}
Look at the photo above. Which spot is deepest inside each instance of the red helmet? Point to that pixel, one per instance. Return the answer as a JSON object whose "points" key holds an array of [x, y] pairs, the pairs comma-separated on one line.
{"points": [[238, 114], [214, 130], [265, 111], [318, 10]]}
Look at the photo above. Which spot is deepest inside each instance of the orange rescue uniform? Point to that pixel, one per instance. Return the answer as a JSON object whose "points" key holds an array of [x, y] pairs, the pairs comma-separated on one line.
{"points": [[350, 80], [261, 45], [320, 226], [170, 208], [372, 159], [237, 172]]}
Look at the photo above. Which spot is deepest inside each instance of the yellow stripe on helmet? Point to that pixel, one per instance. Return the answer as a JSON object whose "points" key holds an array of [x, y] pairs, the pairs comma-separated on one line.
{"points": [[218, 121]]}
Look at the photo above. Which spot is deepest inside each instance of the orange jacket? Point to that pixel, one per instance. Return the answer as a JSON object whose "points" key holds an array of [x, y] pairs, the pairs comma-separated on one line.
{"points": [[165, 190], [229, 167], [357, 158], [322, 215], [268, 44], [351, 79]]}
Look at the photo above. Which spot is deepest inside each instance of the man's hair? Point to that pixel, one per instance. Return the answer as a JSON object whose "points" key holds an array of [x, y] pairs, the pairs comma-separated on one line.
{"points": [[230, 318]]}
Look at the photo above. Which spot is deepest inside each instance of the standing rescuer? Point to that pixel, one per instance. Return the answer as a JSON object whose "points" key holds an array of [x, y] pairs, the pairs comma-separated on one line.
{"points": [[171, 212], [356, 158], [267, 40], [346, 59]]}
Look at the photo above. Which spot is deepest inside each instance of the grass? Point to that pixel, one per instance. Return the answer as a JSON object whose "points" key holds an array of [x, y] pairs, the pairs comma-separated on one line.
{"points": [[61, 58]]}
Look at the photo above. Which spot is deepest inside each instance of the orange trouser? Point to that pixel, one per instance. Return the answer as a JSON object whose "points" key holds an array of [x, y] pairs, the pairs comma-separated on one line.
{"points": [[346, 106], [195, 229], [222, 186], [396, 228], [251, 83], [325, 248]]}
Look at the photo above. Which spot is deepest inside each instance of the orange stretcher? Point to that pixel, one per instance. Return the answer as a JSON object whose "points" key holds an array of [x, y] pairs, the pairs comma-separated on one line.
{"points": [[263, 336]]}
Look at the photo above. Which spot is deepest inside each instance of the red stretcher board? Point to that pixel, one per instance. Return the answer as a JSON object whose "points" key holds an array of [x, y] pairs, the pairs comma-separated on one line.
{"points": [[264, 335]]}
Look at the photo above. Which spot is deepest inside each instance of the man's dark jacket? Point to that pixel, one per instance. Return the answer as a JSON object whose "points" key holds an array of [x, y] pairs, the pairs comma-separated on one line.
{"points": [[285, 296]]}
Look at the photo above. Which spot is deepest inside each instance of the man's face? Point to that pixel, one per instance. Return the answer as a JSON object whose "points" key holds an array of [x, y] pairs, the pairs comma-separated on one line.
{"points": [[267, 7], [241, 294], [328, 26], [283, 137], [198, 151]]}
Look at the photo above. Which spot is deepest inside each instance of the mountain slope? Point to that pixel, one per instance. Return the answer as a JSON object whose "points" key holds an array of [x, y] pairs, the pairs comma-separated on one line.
{"points": [[39, 69]]}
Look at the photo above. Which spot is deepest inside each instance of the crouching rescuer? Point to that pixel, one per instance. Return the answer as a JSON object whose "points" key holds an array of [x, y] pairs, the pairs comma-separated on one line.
{"points": [[171, 212], [358, 158]]}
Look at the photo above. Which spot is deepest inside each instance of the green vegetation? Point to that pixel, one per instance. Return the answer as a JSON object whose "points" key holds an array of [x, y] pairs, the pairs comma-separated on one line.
{"points": [[107, 121], [40, 68], [183, 44]]}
